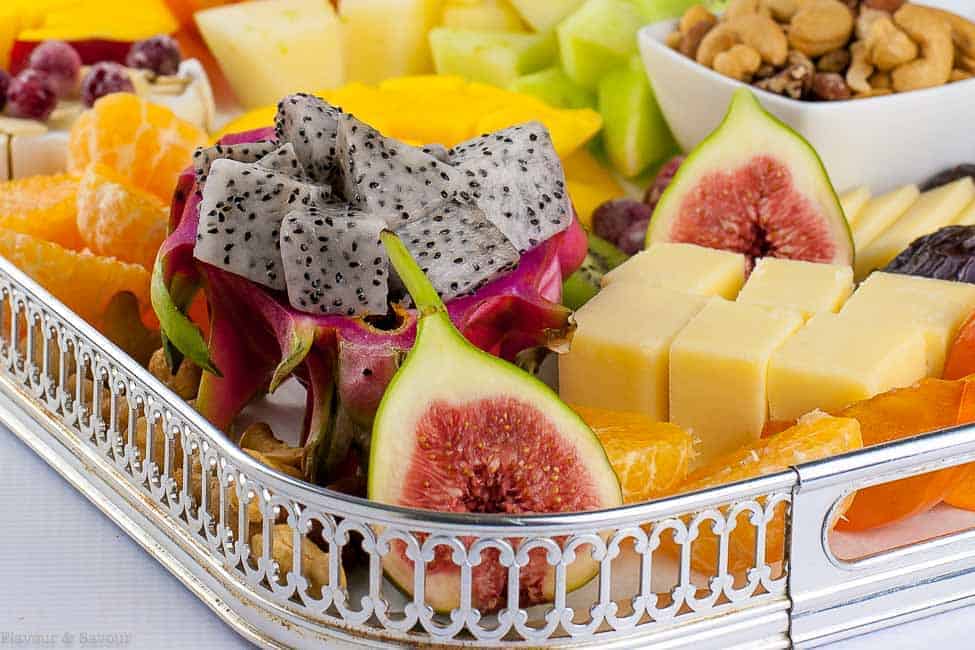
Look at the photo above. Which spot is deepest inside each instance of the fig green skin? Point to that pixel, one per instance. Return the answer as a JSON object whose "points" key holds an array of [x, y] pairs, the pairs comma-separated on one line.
{"points": [[413, 388], [744, 103]]}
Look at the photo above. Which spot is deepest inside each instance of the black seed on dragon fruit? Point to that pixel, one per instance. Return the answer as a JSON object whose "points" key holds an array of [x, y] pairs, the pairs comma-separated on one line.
{"points": [[385, 176], [247, 152], [240, 217], [515, 176], [438, 151], [458, 248], [284, 160], [310, 125], [334, 261]]}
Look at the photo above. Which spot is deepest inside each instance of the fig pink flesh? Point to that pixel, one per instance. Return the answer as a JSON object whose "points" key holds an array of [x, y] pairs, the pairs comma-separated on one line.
{"points": [[497, 455], [755, 210]]}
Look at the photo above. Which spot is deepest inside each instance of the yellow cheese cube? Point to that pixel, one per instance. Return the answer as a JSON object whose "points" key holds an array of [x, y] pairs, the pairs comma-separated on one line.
{"points": [[937, 307], [853, 203], [808, 287], [269, 48], [718, 366], [834, 361], [936, 208], [620, 353], [880, 212], [684, 267]]}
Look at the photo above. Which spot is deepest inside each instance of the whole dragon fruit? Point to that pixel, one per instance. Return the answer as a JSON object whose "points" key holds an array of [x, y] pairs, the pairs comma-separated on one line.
{"points": [[263, 332]]}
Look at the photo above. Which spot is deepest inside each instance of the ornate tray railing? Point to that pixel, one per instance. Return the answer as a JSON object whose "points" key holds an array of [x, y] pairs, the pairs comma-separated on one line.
{"points": [[250, 541]]}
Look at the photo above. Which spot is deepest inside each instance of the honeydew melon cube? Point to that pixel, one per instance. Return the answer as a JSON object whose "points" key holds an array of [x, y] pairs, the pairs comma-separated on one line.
{"points": [[269, 48], [656, 10], [635, 132], [496, 58], [481, 14], [553, 87], [387, 38], [599, 36], [543, 15]]}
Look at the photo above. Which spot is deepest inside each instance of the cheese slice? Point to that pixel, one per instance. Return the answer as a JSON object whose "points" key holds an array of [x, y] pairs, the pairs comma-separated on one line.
{"points": [[853, 203], [936, 208], [937, 307], [619, 358], [834, 361], [684, 267], [880, 212], [967, 217], [718, 370], [808, 287]]}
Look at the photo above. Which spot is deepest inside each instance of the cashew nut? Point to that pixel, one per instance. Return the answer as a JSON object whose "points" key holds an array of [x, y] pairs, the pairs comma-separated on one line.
{"points": [[960, 75], [933, 33], [887, 46], [880, 81], [673, 40], [737, 8], [860, 69], [783, 10], [865, 21], [967, 63], [820, 26], [759, 32], [962, 30], [740, 62], [694, 15]]}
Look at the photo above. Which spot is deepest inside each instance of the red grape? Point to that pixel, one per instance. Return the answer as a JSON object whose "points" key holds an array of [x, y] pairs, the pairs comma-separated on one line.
{"points": [[103, 79], [31, 94], [4, 85], [612, 219], [60, 62], [160, 54]]}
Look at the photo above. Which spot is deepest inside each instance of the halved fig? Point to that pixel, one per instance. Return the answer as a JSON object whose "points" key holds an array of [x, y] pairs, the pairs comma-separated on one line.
{"points": [[459, 430], [754, 186]]}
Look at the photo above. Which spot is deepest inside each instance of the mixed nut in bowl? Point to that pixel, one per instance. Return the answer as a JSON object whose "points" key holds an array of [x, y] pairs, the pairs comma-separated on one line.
{"points": [[883, 80]]}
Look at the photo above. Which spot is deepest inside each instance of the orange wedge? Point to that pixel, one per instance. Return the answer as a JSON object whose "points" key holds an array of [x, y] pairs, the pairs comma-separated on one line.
{"points": [[84, 282], [41, 206], [118, 219], [815, 436], [650, 458], [144, 143]]}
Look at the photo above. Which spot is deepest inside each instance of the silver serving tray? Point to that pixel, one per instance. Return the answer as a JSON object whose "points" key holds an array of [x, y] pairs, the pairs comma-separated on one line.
{"points": [[644, 593]]}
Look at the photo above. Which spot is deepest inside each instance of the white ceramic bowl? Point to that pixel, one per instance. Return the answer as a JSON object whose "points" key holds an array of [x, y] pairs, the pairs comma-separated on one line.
{"points": [[882, 142]]}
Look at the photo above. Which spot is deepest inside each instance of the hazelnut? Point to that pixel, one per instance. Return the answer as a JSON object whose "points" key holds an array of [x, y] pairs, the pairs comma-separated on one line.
{"points": [[830, 86]]}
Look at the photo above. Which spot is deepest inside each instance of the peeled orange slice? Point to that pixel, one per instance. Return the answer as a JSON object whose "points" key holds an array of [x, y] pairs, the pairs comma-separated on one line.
{"points": [[815, 436], [84, 282], [41, 206], [118, 219], [650, 458], [145, 143]]}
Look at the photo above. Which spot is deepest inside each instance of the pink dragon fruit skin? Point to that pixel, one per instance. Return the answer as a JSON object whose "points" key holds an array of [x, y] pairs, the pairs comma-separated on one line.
{"points": [[257, 339]]}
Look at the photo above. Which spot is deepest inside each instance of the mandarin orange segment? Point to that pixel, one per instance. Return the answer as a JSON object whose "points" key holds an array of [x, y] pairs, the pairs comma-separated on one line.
{"points": [[118, 219], [650, 458], [145, 143], [961, 356], [84, 282], [815, 436], [42, 206], [929, 405]]}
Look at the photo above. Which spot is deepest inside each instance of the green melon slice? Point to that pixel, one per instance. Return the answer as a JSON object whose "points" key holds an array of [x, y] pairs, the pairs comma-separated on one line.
{"points": [[491, 57], [553, 87], [598, 37], [756, 187]]}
